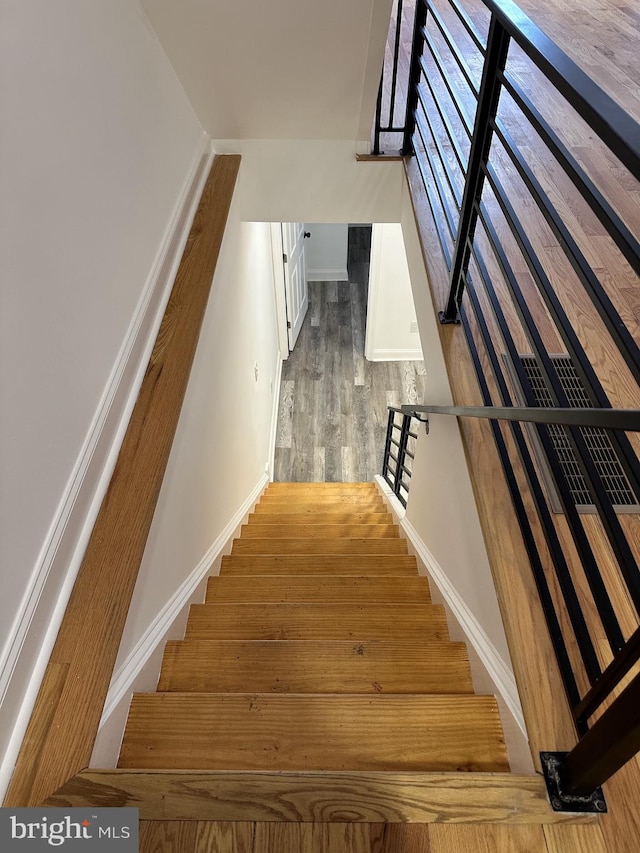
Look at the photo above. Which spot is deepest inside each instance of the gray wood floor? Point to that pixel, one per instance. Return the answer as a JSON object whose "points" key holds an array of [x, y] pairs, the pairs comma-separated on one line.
{"points": [[333, 402]]}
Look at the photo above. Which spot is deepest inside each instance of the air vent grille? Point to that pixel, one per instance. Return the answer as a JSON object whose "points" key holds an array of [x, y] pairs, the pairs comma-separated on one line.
{"points": [[600, 448]]}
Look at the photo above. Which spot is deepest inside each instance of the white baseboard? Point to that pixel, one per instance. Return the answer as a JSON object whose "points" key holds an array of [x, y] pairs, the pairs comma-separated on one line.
{"points": [[123, 679], [396, 507], [32, 635], [328, 275], [499, 671], [414, 354]]}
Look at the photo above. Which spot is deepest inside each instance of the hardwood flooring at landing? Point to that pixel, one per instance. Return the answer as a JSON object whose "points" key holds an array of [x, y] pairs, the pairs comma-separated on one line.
{"points": [[333, 402]]}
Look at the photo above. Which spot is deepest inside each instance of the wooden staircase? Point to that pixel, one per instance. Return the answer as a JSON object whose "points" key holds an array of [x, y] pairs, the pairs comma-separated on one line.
{"points": [[317, 649]]}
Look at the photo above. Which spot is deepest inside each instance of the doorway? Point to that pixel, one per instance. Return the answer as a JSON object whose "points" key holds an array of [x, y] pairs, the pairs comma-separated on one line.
{"points": [[333, 401]]}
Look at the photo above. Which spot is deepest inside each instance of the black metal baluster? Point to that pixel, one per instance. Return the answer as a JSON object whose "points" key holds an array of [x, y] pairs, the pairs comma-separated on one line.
{"points": [[415, 70], [488, 98]]}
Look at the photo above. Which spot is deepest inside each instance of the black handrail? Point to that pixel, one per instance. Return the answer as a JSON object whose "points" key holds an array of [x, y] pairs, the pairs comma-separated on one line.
{"points": [[627, 420], [455, 129]]}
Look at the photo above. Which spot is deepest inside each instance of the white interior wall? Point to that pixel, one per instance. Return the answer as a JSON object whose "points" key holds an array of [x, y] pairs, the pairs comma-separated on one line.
{"points": [[326, 251], [221, 449], [293, 180], [441, 512], [219, 458], [98, 141], [392, 330]]}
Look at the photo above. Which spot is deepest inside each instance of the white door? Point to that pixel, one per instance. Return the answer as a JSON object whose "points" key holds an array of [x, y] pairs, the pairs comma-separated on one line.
{"points": [[295, 278]]}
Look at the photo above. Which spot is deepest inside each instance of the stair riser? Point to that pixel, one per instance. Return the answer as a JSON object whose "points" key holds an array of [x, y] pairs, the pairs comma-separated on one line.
{"points": [[319, 546], [257, 732], [402, 565], [316, 622], [320, 531], [302, 519], [318, 590], [315, 667]]}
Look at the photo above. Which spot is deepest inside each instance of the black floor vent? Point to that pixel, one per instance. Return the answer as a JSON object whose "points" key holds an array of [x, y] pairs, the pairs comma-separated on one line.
{"points": [[602, 453]]}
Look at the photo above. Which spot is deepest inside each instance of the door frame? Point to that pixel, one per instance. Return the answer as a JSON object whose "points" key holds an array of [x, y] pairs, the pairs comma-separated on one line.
{"points": [[277, 252]]}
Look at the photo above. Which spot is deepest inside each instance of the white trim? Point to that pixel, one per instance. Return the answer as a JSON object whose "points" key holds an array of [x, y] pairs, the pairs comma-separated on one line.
{"points": [[123, 679], [395, 355], [33, 633], [373, 289], [499, 671], [279, 286], [396, 507], [336, 274], [275, 411]]}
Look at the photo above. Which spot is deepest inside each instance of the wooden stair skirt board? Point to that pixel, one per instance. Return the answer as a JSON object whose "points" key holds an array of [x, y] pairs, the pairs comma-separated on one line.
{"points": [[317, 682]]}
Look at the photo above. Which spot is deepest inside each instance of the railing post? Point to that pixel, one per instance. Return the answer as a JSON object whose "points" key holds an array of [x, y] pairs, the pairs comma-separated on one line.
{"points": [[387, 445], [488, 97], [607, 746], [376, 133], [417, 43]]}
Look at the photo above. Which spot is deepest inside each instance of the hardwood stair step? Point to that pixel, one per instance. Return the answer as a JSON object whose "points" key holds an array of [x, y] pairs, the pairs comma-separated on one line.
{"points": [[321, 488], [310, 501], [318, 546], [319, 666], [310, 510], [318, 589], [321, 796], [320, 531], [315, 564], [195, 731], [302, 519], [419, 622]]}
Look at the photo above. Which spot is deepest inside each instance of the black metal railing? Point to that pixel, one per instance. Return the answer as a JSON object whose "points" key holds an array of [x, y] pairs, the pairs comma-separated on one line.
{"points": [[391, 106], [542, 259], [615, 737], [399, 452]]}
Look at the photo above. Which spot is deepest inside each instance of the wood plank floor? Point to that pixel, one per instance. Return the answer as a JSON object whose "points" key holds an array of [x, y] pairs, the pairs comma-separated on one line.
{"points": [[263, 837], [333, 402]]}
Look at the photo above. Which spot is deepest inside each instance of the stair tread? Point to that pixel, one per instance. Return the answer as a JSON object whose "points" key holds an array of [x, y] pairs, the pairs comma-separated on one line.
{"points": [[313, 732], [321, 530], [319, 589], [292, 621], [318, 488], [325, 517], [340, 564], [302, 510], [337, 499], [318, 666], [346, 545]]}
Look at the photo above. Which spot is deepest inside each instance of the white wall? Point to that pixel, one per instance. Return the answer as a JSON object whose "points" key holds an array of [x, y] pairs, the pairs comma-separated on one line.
{"points": [[313, 181], [326, 251], [441, 510], [98, 143], [222, 444], [392, 331]]}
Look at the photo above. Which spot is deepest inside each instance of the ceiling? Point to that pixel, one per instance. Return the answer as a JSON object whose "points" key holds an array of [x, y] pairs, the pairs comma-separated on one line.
{"points": [[282, 69]]}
